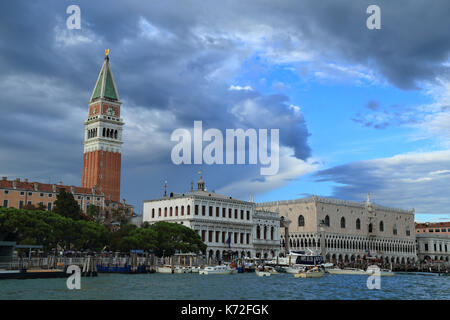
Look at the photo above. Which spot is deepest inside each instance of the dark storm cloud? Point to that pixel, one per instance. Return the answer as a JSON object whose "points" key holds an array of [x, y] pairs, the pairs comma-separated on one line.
{"points": [[174, 62]]}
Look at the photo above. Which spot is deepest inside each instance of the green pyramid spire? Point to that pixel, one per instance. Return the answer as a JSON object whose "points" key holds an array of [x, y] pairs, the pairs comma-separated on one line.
{"points": [[105, 87]]}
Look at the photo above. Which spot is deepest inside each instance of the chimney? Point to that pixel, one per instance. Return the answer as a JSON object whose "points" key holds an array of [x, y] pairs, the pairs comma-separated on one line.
{"points": [[72, 189], [14, 184], [4, 178], [35, 186], [54, 187]]}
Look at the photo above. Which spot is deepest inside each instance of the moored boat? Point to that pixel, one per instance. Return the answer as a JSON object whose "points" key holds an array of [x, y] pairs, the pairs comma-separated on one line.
{"points": [[347, 271], [217, 270], [382, 272], [164, 269], [312, 273], [261, 273]]}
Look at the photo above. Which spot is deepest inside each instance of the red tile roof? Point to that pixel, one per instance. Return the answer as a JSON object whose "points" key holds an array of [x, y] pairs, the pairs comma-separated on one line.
{"points": [[44, 187], [432, 225]]}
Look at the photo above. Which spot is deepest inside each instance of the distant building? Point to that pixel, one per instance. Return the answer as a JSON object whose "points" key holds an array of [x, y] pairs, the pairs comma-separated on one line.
{"points": [[433, 242], [229, 227], [436, 228], [18, 194], [352, 230]]}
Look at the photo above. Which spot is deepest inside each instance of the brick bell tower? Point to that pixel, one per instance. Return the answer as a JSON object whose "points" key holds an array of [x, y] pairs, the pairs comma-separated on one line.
{"points": [[103, 136]]}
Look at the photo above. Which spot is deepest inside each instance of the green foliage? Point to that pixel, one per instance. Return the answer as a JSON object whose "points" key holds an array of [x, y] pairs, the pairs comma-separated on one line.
{"points": [[52, 230], [66, 205], [173, 237], [93, 211]]}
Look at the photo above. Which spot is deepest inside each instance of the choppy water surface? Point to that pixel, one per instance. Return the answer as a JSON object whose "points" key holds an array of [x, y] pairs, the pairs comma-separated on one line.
{"points": [[227, 287]]}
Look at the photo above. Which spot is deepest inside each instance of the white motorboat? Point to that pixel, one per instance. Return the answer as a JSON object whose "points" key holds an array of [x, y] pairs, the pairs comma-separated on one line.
{"points": [[347, 271], [312, 273], [217, 270], [164, 269], [261, 273], [373, 269], [194, 269], [180, 270], [270, 270], [294, 269]]}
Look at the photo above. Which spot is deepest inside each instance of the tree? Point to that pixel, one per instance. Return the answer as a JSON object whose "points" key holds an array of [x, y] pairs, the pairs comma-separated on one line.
{"points": [[93, 211], [173, 237], [66, 205]]}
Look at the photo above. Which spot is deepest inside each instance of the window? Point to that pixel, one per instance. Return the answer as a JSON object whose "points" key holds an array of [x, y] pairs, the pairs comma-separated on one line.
{"points": [[327, 221], [217, 236], [153, 212], [49, 206], [203, 235], [22, 193], [358, 224], [394, 231], [235, 213], [41, 194], [170, 211], [79, 197], [21, 204], [6, 191], [217, 211], [30, 203], [301, 221], [443, 230], [426, 246], [430, 230], [182, 210], [203, 210], [210, 236], [210, 211], [176, 211], [196, 209], [242, 238], [370, 227], [30, 193], [5, 203], [437, 230], [229, 213], [271, 233], [342, 222], [224, 213], [88, 198], [248, 215], [188, 210], [235, 237], [381, 226], [242, 214], [50, 195], [258, 232], [408, 233], [165, 212], [248, 238]]}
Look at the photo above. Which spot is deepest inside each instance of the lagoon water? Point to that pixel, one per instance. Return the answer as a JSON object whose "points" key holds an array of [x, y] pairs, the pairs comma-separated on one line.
{"points": [[246, 286]]}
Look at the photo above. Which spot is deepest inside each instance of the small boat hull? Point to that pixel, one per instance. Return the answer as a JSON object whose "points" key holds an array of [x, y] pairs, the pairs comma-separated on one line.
{"points": [[262, 273]]}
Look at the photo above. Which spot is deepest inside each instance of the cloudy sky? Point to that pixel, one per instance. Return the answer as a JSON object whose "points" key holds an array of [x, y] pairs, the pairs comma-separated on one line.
{"points": [[358, 110]]}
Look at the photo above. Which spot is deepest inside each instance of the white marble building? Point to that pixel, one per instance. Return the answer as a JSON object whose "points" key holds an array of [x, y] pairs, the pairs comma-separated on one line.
{"points": [[228, 226], [433, 247], [351, 229]]}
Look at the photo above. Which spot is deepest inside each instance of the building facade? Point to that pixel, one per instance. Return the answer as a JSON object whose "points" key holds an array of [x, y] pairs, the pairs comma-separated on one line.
{"points": [[103, 137], [433, 242], [229, 227], [349, 230], [18, 194]]}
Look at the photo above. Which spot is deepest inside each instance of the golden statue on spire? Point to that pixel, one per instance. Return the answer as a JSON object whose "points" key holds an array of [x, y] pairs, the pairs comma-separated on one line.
{"points": [[106, 52]]}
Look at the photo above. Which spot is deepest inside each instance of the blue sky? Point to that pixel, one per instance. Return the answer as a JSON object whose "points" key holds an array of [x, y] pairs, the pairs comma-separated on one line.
{"points": [[358, 110]]}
